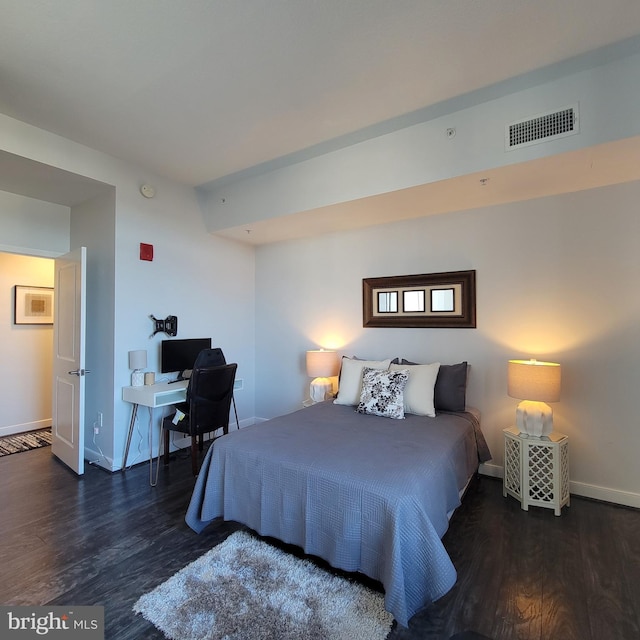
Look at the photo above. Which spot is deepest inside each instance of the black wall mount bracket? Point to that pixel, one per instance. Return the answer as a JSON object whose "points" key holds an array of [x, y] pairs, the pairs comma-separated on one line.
{"points": [[169, 325]]}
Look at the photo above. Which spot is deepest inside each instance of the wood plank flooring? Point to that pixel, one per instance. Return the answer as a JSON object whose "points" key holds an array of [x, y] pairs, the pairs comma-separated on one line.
{"points": [[108, 538]]}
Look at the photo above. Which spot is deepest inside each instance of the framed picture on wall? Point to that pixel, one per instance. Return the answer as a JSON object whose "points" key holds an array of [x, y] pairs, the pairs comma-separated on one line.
{"points": [[33, 305], [446, 300]]}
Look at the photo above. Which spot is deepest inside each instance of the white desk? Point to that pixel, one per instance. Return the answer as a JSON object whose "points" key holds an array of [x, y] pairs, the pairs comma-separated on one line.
{"points": [[152, 396]]}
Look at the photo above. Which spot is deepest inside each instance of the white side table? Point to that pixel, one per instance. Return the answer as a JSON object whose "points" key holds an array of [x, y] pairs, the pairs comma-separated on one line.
{"points": [[536, 470]]}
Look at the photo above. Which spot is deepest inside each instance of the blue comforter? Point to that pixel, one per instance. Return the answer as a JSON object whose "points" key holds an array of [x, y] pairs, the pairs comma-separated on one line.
{"points": [[365, 493]]}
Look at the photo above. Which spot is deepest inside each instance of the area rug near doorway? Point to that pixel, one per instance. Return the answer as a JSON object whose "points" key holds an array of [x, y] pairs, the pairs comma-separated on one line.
{"points": [[25, 441], [246, 589]]}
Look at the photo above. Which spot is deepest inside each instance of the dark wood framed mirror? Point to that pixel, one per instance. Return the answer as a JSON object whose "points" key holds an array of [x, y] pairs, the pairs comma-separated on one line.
{"points": [[437, 300]]}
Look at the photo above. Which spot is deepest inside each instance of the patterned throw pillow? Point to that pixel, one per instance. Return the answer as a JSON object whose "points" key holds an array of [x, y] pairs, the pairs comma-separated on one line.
{"points": [[382, 392]]}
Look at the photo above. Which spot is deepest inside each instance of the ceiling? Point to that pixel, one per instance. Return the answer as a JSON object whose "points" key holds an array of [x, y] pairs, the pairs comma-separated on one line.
{"points": [[199, 90]]}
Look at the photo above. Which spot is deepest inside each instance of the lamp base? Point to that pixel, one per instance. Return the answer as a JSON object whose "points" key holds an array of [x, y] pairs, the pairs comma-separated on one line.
{"points": [[534, 418], [137, 378], [320, 389]]}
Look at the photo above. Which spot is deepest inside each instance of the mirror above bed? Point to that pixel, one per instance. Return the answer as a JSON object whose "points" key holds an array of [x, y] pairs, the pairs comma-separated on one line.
{"points": [[446, 300]]}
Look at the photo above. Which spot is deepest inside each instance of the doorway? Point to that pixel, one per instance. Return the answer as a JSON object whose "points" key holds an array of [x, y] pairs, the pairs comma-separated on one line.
{"points": [[26, 349]]}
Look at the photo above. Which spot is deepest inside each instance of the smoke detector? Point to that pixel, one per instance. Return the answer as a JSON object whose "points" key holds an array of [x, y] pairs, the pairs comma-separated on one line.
{"points": [[147, 191]]}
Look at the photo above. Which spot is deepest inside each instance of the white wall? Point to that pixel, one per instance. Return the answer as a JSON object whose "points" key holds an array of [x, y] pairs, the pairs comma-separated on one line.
{"points": [[556, 279], [25, 350], [93, 227], [32, 226], [207, 282]]}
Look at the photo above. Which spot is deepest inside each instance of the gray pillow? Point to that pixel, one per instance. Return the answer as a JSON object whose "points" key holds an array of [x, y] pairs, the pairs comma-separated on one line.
{"points": [[450, 391]]}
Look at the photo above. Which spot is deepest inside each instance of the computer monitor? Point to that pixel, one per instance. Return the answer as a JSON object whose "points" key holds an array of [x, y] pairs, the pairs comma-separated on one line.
{"points": [[180, 355]]}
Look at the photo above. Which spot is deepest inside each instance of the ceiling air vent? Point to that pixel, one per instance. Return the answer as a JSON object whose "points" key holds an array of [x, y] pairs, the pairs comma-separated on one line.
{"points": [[542, 128]]}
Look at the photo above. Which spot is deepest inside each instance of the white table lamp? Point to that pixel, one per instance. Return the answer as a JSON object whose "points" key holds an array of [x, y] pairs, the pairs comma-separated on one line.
{"points": [[321, 365], [535, 383], [137, 362]]}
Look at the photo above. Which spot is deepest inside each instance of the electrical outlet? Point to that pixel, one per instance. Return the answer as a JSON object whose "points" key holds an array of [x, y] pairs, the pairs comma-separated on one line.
{"points": [[96, 429]]}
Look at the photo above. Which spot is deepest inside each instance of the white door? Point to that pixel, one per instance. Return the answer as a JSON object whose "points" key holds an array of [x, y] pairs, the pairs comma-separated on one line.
{"points": [[68, 359]]}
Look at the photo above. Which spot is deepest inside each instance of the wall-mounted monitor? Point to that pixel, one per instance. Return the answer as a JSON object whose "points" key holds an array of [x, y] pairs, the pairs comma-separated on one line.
{"points": [[180, 355]]}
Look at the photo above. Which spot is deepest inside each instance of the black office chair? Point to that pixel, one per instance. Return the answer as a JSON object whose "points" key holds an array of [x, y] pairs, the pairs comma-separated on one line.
{"points": [[205, 359], [210, 394]]}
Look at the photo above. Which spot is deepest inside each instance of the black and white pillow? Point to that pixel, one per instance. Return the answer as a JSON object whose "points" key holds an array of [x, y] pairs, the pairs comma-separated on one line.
{"points": [[383, 392]]}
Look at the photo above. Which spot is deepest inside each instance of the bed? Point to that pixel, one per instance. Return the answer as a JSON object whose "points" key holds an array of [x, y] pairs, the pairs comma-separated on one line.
{"points": [[365, 493]]}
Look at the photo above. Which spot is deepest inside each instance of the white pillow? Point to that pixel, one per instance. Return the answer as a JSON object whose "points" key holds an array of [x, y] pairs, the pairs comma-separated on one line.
{"points": [[382, 392], [418, 392], [351, 378]]}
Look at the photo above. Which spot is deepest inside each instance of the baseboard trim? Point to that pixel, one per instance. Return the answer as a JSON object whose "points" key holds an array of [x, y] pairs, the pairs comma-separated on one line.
{"points": [[624, 498], [595, 492], [491, 470], [98, 459], [12, 429], [178, 441]]}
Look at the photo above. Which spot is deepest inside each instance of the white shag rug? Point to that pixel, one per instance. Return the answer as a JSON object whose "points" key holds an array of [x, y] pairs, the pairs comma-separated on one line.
{"points": [[246, 589]]}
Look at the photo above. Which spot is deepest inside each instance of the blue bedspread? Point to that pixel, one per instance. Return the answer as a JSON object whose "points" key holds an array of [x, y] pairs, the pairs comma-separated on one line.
{"points": [[365, 493]]}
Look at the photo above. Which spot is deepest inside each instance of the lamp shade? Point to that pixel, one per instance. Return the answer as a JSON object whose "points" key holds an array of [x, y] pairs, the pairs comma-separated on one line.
{"points": [[534, 380], [322, 364], [138, 359]]}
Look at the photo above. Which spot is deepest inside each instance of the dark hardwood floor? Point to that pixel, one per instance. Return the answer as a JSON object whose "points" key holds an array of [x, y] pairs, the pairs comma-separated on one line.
{"points": [[108, 538]]}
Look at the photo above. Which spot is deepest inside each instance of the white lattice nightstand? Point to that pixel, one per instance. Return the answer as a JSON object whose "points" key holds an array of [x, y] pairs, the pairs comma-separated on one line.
{"points": [[536, 470]]}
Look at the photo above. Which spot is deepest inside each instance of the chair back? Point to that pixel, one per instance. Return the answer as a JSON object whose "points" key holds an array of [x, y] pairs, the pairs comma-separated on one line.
{"points": [[209, 358], [205, 359], [210, 398]]}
